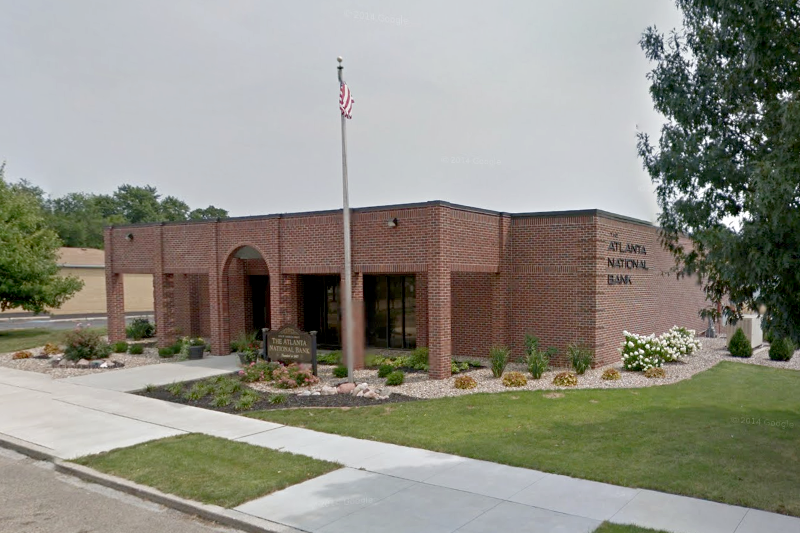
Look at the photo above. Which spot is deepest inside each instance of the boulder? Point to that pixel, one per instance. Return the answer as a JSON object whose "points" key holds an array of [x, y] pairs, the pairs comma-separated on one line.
{"points": [[305, 393], [371, 394], [327, 391], [83, 363], [346, 388]]}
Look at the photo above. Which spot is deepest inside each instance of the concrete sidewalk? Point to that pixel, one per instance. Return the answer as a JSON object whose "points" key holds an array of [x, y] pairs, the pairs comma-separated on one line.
{"points": [[383, 487]]}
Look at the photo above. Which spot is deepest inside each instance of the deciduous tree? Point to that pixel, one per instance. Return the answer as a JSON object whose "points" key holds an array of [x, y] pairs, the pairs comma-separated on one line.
{"points": [[727, 164]]}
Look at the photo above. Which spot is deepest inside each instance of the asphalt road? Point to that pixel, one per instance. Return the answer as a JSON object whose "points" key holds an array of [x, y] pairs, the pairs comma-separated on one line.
{"points": [[36, 499]]}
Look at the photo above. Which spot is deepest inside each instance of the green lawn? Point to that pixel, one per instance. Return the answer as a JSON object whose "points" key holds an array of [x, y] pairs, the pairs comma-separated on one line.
{"points": [[24, 339], [608, 527], [208, 469], [679, 438]]}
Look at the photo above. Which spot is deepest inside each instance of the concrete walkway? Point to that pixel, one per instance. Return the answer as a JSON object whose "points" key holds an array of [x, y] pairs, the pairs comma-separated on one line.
{"points": [[383, 487]]}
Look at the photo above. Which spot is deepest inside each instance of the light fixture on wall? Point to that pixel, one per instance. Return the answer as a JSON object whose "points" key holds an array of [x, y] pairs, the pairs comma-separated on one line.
{"points": [[392, 223], [129, 237]]}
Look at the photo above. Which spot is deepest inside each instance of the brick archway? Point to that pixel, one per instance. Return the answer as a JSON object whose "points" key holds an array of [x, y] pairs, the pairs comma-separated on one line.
{"points": [[245, 293]]}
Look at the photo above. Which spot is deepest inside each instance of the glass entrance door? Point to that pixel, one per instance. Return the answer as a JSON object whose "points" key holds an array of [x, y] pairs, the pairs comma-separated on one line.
{"points": [[391, 311], [321, 308]]}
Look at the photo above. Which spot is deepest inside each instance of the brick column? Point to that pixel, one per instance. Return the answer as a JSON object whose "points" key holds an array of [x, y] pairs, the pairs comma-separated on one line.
{"points": [[115, 293], [421, 282], [287, 303], [501, 288], [235, 280], [115, 305], [164, 299], [440, 345], [359, 333], [217, 299], [439, 323]]}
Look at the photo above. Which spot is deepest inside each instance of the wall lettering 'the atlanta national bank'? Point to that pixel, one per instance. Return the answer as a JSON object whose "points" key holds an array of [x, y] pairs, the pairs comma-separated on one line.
{"points": [[627, 263]]}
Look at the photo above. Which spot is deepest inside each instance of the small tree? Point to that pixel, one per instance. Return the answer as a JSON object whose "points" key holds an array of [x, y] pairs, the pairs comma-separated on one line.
{"points": [[739, 345], [28, 255]]}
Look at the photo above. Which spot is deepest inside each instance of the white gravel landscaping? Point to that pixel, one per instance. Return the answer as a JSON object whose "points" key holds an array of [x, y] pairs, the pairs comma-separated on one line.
{"points": [[45, 366], [419, 386]]}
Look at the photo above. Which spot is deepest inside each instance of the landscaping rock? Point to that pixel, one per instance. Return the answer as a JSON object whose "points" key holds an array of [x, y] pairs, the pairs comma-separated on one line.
{"points": [[346, 388], [315, 393], [305, 393], [326, 390], [83, 363]]}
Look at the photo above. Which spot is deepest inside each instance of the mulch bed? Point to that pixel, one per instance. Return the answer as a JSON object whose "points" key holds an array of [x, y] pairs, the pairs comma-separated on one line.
{"points": [[292, 401]]}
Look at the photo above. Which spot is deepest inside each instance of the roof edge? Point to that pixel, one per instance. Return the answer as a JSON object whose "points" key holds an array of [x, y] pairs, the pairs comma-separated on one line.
{"points": [[413, 205]]}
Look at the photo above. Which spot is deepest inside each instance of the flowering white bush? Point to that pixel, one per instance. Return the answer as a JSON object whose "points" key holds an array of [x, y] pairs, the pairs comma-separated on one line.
{"points": [[640, 352], [678, 343]]}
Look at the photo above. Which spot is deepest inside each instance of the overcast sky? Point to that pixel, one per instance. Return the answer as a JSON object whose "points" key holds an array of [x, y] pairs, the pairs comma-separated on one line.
{"points": [[513, 106]]}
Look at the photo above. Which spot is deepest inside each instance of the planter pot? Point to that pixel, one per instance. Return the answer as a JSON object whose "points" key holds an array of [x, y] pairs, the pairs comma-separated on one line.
{"points": [[196, 352]]}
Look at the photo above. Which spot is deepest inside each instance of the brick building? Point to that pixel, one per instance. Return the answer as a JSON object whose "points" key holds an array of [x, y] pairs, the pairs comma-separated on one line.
{"points": [[453, 278]]}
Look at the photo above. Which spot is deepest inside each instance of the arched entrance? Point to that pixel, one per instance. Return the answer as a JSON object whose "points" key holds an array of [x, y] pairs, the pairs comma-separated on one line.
{"points": [[245, 294]]}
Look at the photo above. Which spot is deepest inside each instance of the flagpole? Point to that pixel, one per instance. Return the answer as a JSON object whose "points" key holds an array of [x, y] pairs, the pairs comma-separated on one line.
{"points": [[346, 289]]}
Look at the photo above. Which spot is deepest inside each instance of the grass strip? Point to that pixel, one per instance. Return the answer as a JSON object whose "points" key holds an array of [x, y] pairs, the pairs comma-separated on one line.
{"points": [[208, 469]]}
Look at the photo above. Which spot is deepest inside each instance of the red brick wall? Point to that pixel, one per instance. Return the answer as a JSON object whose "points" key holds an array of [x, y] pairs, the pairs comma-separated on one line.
{"points": [[471, 309], [552, 293], [482, 278], [653, 302]]}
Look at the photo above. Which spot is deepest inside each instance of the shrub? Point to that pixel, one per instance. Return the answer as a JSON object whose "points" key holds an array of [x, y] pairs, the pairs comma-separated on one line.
{"points": [[340, 371], [175, 388], [611, 374], [739, 345], [51, 349], [565, 379], [248, 344], [395, 378], [150, 388], [655, 372], [246, 400], [257, 371], [332, 358], [782, 349], [221, 400], [140, 328], [82, 343], [419, 359], [580, 358], [293, 376], [538, 361], [679, 343], [136, 349], [640, 352], [514, 379], [498, 359], [226, 386], [465, 382], [198, 391], [276, 399], [166, 352], [197, 341], [456, 367], [119, 347], [24, 354], [384, 370]]}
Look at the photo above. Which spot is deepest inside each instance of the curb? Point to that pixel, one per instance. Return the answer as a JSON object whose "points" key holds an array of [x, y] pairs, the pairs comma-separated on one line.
{"points": [[213, 513], [34, 451]]}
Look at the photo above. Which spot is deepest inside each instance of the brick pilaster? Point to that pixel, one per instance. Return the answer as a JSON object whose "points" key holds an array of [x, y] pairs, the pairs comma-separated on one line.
{"points": [[359, 320], [440, 343], [115, 293], [501, 287]]}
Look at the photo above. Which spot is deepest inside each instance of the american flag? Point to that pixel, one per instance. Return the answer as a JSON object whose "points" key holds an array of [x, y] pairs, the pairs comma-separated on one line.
{"points": [[345, 100]]}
